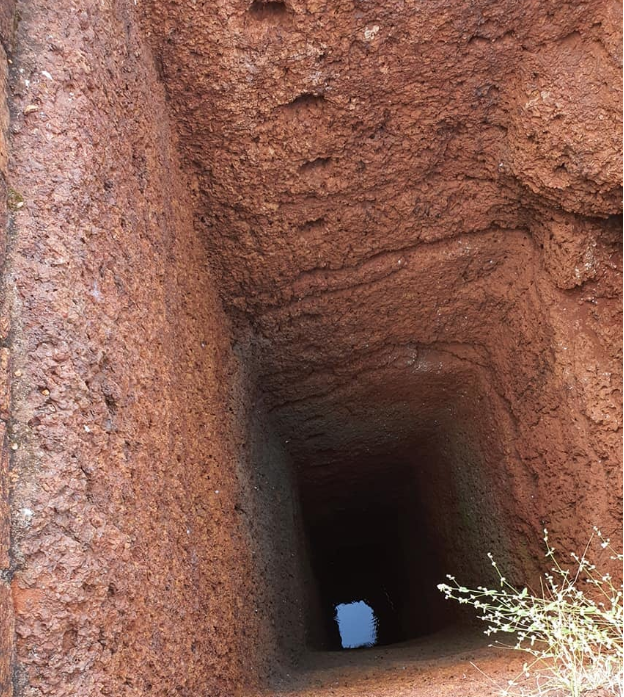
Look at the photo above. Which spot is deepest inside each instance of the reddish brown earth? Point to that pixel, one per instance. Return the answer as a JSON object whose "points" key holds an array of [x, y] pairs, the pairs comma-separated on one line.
{"points": [[284, 280]]}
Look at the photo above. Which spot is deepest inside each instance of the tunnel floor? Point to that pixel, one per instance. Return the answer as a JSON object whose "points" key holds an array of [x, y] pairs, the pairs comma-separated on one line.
{"points": [[454, 662]]}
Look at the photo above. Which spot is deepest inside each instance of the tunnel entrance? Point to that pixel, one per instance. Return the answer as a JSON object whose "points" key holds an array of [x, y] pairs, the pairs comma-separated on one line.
{"points": [[353, 563], [373, 556]]}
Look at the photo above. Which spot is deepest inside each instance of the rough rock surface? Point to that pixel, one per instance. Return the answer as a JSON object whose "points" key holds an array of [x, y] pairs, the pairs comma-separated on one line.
{"points": [[389, 189], [342, 239], [137, 518]]}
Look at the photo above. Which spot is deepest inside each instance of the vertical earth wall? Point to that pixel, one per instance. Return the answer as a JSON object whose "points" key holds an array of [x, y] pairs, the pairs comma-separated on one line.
{"points": [[143, 487]]}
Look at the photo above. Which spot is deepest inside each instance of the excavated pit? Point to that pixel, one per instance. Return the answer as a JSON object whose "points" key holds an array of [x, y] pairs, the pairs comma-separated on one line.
{"points": [[304, 303]]}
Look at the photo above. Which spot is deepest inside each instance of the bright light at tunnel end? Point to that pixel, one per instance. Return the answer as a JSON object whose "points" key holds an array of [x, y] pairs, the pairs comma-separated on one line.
{"points": [[357, 625]]}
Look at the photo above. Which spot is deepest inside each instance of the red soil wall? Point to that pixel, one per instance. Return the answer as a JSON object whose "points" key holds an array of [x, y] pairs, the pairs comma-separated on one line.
{"points": [[136, 542]]}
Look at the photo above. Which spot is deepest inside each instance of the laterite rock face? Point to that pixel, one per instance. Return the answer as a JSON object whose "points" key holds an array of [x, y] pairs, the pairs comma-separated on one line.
{"points": [[132, 561], [387, 189], [270, 263]]}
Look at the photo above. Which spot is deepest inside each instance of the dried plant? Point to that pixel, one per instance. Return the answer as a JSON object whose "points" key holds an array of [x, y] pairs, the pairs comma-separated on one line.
{"points": [[572, 629]]}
